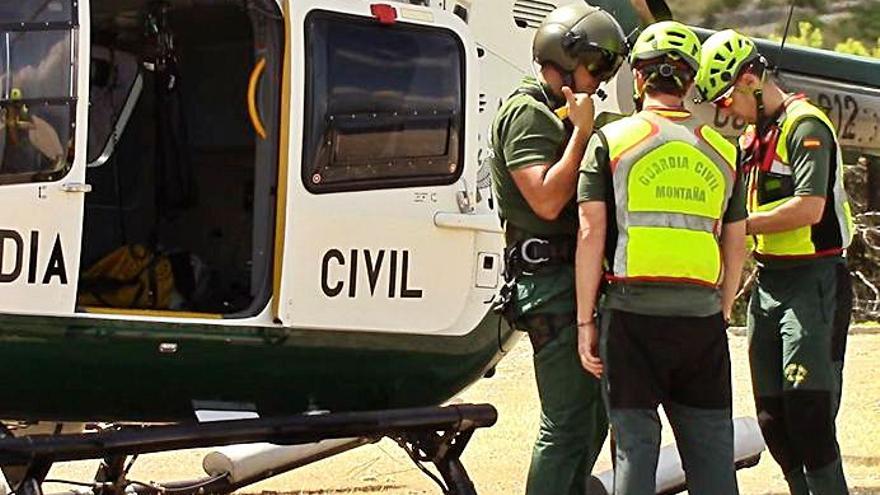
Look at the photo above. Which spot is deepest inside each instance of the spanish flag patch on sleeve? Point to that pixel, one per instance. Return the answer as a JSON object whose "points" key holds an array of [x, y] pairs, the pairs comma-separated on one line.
{"points": [[812, 142]]}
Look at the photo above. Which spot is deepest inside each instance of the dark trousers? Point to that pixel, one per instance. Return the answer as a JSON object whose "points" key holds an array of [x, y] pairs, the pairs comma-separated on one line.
{"points": [[682, 363], [573, 424], [798, 322]]}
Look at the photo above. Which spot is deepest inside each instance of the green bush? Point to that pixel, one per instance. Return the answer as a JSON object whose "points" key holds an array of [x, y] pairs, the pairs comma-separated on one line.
{"points": [[856, 47], [811, 35], [808, 35]]}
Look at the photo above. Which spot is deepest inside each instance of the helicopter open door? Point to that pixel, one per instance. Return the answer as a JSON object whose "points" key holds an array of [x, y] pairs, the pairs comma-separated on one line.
{"points": [[380, 231], [44, 53]]}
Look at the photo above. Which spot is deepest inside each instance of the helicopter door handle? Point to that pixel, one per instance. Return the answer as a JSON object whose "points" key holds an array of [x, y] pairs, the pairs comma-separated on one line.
{"points": [[253, 111], [480, 222], [76, 187]]}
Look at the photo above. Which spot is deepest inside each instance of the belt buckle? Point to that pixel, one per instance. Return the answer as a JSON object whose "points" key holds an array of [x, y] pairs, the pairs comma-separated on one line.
{"points": [[524, 250]]}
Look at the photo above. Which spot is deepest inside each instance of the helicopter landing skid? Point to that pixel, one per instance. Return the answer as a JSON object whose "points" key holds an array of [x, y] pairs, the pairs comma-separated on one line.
{"points": [[436, 435], [443, 449]]}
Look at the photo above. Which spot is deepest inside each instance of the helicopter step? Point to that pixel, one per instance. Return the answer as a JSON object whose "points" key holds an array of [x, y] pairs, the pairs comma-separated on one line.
{"points": [[436, 435]]}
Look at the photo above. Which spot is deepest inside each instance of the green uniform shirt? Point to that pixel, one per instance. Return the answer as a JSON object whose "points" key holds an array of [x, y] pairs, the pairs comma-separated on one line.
{"points": [[810, 166], [525, 133], [810, 170], [594, 184]]}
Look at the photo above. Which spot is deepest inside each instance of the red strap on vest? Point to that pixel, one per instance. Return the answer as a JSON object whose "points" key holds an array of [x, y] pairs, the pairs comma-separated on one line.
{"points": [[760, 151]]}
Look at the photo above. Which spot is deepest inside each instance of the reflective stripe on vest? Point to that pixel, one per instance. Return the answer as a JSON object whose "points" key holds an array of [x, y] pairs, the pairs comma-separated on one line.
{"points": [[799, 243], [672, 182]]}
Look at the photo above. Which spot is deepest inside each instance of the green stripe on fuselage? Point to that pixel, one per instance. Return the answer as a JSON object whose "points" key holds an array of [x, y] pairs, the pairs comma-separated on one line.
{"points": [[86, 369]]}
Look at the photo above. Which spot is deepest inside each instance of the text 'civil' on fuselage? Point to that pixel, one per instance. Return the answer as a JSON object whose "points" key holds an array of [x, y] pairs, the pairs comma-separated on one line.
{"points": [[392, 261]]}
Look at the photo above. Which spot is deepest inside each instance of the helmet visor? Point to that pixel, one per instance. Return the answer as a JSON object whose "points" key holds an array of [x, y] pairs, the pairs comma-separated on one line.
{"points": [[601, 63]]}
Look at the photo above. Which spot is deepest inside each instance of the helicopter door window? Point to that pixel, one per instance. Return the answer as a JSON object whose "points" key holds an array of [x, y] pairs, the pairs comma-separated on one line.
{"points": [[36, 11], [36, 90], [384, 104]]}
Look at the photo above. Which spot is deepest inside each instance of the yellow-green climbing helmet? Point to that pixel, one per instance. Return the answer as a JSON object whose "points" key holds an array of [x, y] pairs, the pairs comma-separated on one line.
{"points": [[724, 54], [667, 38]]}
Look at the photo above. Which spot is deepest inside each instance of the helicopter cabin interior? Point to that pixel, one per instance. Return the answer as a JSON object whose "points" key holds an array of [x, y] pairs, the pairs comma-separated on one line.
{"points": [[182, 156]]}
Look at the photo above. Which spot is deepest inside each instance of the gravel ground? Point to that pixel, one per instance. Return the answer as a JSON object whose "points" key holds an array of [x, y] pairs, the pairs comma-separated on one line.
{"points": [[497, 458]]}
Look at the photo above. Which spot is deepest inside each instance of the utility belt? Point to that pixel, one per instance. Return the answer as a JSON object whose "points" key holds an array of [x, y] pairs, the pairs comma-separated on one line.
{"points": [[529, 254], [525, 254]]}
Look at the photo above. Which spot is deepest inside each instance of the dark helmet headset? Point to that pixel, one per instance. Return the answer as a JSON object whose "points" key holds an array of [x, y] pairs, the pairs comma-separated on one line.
{"points": [[580, 34]]}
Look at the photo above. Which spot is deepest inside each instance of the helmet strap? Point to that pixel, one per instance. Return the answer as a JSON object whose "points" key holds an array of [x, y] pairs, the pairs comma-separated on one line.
{"points": [[759, 93], [759, 106], [541, 85], [639, 92], [759, 100]]}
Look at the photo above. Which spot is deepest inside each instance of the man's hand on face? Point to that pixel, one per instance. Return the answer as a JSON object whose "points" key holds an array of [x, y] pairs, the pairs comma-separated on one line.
{"points": [[580, 109]]}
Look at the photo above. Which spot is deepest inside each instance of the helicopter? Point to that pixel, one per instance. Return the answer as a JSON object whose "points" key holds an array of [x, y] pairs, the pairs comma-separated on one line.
{"points": [[240, 221]]}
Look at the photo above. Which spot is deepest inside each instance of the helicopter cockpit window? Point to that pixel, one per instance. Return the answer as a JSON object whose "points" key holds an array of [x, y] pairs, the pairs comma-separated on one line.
{"points": [[36, 90], [385, 104]]}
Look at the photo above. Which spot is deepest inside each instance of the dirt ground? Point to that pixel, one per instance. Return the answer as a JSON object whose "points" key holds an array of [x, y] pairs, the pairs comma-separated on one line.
{"points": [[497, 458]]}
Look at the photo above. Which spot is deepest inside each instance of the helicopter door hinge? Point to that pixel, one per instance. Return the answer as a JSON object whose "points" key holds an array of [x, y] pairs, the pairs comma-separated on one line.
{"points": [[464, 202], [76, 187]]}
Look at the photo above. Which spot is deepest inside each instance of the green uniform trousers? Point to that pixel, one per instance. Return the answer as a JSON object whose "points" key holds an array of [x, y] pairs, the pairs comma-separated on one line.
{"points": [[682, 363], [798, 321], [573, 423]]}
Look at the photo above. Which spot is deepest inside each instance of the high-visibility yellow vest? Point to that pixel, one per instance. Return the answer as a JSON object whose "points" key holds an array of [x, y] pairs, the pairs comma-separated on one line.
{"points": [[771, 184], [673, 178]]}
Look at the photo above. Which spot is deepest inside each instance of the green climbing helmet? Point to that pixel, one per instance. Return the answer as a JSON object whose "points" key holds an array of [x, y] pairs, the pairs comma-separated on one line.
{"points": [[579, 33], [724, 55], [668, 38]]}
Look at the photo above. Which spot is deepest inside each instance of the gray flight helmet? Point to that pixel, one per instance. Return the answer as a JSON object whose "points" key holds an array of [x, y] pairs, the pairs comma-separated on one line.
{"points": [[580, 33]]}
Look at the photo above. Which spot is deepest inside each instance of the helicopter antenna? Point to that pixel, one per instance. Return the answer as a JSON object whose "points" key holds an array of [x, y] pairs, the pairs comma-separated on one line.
{"points": [[785, 35]]}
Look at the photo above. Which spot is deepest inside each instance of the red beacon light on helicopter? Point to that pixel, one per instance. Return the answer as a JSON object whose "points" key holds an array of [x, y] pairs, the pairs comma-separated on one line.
{"points": [[384, 13]]}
